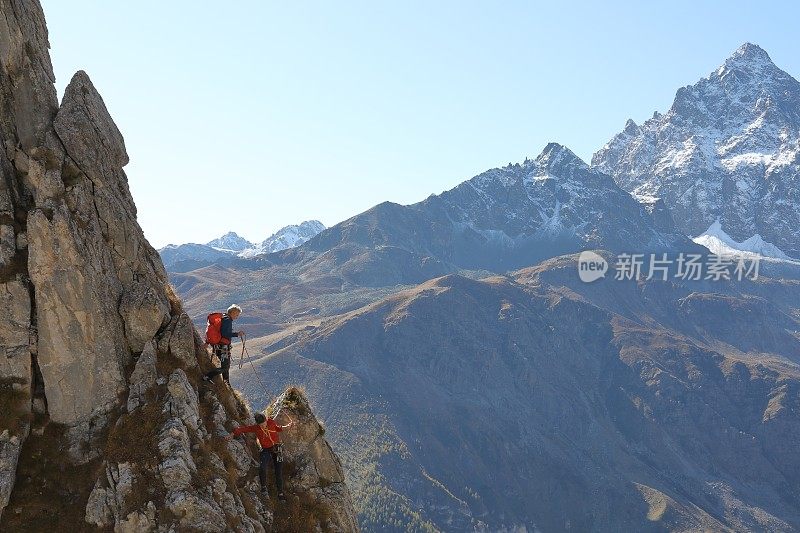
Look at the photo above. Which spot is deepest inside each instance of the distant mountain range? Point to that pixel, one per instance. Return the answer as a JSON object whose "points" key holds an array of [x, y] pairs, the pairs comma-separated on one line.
{"points": [[503, 219], [474, 383], [231, 245]]}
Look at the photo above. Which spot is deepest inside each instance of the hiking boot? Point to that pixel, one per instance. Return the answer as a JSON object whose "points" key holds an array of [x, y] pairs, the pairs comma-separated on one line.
{"points": [[282, 496]]}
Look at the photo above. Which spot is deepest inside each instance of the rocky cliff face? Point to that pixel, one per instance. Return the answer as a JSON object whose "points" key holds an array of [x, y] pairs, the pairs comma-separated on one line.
{"points": [[103, 422]]}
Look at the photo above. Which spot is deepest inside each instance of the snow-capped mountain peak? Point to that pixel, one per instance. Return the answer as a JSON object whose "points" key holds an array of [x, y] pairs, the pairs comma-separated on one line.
{"points": [[286, 237], [557, 156], [747, 58], [728, 148], [719, 242], [556, 201], [230, 242]]}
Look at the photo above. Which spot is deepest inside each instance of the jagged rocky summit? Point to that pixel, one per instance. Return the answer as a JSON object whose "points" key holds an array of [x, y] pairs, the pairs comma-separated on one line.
{"points": [[104, 424], [728, 149]]}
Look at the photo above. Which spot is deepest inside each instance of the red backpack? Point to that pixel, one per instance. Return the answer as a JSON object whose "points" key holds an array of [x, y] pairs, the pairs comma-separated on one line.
{"points": [[214, 329]]}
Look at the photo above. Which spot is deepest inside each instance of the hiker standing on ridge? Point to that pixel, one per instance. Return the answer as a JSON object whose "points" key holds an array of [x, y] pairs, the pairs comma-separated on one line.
{"points": [[219, 333], [267, 431]]}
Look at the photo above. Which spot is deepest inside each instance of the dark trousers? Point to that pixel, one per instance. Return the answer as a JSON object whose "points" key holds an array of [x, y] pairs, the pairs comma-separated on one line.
{"points": [[223, 351], [271, 454]]}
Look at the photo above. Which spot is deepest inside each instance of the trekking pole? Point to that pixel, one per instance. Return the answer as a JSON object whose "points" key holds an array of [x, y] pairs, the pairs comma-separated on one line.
{"points": [[244, 350]]}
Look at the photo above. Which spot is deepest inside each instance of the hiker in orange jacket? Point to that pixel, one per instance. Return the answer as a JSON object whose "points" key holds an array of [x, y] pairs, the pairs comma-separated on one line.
{"points": [[268, 433]]}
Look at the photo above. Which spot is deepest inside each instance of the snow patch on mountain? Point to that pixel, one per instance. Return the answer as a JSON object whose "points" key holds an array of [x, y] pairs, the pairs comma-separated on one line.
{"points": [[645, 199], [720, 243]]}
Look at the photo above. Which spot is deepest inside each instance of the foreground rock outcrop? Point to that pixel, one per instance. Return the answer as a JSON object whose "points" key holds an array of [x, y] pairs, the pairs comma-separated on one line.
{"points": [[318, 496], [104, 423]]}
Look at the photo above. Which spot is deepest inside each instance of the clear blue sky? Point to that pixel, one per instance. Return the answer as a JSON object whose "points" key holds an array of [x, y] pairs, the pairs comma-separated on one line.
{"points": [[251, 115]]}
